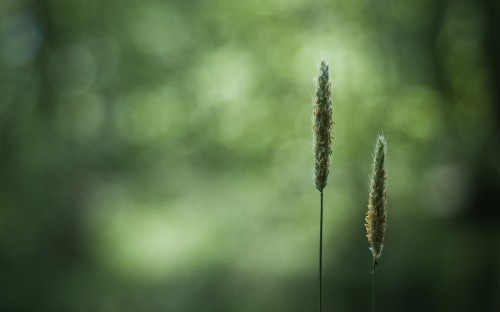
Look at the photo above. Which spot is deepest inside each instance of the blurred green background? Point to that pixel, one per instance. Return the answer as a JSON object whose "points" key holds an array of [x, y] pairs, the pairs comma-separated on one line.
{"points": [[157, 156]]}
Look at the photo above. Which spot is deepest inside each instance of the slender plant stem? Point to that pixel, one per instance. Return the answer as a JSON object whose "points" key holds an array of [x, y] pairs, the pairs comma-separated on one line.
{"points": [[373, 285], [320, 250]]}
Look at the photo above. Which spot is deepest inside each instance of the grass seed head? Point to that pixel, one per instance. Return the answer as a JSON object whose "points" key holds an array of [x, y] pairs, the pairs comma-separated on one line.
{"points": [[377, 201], [322, 124]]}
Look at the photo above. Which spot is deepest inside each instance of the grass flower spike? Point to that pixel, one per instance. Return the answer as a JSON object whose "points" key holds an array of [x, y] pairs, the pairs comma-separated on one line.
{"points": [[376, 215], [377, 201], [322, 124]]}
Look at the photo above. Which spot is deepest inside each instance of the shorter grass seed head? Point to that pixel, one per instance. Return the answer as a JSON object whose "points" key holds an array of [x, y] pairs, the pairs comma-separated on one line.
{"points": [[322, 124], [377, 201]]}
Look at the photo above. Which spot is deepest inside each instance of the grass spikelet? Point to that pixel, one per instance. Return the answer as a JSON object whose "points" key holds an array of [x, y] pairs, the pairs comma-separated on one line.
{"points": [[322, 124], [376, 215], [377, 201], [322, 141]]}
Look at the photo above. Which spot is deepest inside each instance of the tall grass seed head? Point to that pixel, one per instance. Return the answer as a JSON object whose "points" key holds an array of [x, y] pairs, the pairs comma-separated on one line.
{"points": [[377, 200], [322, 124]]}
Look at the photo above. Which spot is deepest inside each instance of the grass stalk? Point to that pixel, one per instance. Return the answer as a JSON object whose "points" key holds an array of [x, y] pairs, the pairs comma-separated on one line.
{"points": [[377, 202], [373, 285], [322, 123], [321, 251]]}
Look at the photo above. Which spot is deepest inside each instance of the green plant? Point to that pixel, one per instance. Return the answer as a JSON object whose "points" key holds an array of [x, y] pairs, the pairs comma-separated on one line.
{"points": [[377, 202], [322, 124]]}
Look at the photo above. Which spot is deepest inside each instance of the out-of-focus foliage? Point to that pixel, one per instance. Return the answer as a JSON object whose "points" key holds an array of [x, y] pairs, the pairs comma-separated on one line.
{"points": [[157, 155]]}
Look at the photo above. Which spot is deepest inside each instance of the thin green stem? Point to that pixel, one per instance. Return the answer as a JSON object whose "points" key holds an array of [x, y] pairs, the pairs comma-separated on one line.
{"points": [[373, 284], [320, 250]]}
